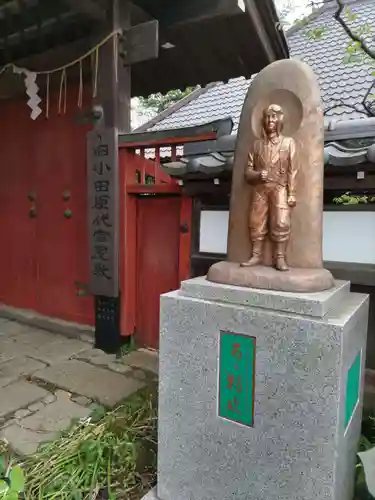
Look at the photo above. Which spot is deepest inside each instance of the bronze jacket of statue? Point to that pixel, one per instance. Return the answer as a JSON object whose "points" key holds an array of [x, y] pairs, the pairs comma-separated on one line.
{"points": [[272, 198]]}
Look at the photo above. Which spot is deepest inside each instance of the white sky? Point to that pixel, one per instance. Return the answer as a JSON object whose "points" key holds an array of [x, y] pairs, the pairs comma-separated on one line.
{"points": [[299, 8]]}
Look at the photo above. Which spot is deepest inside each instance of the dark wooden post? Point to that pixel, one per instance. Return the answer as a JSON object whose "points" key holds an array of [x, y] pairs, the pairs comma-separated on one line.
{"points": [[112, 83]]}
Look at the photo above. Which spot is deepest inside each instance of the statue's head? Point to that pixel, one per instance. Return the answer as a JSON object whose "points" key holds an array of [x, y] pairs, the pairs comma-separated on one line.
{"points": [[273, 119]]}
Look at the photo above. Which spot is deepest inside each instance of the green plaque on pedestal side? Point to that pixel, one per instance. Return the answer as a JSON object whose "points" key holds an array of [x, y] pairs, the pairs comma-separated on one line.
{"points": [[352, 389], [237, 378]]}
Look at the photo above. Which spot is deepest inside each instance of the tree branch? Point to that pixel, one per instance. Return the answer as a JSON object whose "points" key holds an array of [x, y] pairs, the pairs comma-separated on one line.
{"points": [[350, 32], [342, 104], [369, 107]]}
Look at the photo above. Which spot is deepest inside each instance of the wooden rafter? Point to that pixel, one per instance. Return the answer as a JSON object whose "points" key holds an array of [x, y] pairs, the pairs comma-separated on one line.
{"points": [[189, 31], [92, 8]]}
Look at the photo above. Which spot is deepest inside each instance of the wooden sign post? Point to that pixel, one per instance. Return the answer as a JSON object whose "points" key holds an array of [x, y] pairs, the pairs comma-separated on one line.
{"points": [[103, 195], [113, 98]]}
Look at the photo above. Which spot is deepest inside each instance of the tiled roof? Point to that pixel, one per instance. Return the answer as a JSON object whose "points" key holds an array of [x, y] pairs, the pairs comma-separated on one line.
{"points": [[220, 160], [339, 82]]}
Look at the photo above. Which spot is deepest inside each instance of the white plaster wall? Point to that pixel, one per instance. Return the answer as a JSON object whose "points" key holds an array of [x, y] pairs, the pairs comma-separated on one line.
{"points": [[347, 236], [214, 231]]}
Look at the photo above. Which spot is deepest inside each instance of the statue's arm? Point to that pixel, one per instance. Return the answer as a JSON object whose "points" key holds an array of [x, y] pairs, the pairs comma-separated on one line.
{"points": [[292, 169], [251, 175]]}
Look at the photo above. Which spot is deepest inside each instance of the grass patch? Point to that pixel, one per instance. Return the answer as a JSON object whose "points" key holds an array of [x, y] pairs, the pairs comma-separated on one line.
{"points": [[366, 442], [129, 346], [105, 458]]}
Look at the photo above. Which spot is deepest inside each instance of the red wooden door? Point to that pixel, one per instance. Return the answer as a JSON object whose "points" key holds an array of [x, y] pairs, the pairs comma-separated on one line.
{"points": [[17, 254], [158, 234], [53, 244], [62, 236], [43, 257]]}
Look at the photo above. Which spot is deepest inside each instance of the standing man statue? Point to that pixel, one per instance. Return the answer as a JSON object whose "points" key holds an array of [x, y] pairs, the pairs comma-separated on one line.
{"points": [[272, 171]]}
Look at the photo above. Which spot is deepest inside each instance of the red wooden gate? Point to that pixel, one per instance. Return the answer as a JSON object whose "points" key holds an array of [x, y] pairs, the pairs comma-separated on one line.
{"points": [[155, 255], [17, 253], [158, 242], [44, 252]]}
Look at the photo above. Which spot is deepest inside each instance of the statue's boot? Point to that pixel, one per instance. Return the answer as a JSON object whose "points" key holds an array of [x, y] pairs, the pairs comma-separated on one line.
{"points": [[280, 262], [256, 257]]}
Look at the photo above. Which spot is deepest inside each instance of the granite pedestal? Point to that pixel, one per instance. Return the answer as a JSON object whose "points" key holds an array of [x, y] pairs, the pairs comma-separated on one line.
{"points": [[300, 441]]}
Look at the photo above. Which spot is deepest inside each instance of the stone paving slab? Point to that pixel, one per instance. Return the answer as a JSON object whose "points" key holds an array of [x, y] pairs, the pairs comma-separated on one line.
{"points": [[13, 369], [99, 384], [96, 357], [19, 395], [35, 415], [41, 345], [5, 357], [3, 326], [31, 319], [46, 424], [99, 358], [143, 358], [8, 327], [23, 441]]}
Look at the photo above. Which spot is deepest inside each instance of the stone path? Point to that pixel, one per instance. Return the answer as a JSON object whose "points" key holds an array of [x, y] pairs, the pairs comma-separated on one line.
{"points": [[46, 380]]}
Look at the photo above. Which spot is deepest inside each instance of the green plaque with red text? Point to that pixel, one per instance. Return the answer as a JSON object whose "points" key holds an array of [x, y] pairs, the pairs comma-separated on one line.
{"points": [[353, 382], [237, 377]]}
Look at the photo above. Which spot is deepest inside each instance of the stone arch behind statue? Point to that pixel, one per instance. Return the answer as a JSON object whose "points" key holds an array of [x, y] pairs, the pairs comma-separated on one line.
{"points": [[293, 85]]}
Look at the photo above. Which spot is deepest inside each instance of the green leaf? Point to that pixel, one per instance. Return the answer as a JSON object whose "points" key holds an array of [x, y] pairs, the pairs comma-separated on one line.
{"points": [[361, 479], [350, 14], [17, 479], [316, 33], [3, 487], [98, 412], [12, 495], [2, 466]]}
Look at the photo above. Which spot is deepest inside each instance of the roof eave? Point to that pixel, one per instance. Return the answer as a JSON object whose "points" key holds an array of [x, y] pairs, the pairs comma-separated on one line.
{"points": [[268, 28]]}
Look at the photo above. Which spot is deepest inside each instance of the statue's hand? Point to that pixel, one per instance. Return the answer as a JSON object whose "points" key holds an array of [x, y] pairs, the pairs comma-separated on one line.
{"points": [[292, 202], [264, 175]]}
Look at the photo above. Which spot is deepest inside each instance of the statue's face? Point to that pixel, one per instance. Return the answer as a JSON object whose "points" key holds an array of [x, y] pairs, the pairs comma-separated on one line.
{"points": [[272, 119]]}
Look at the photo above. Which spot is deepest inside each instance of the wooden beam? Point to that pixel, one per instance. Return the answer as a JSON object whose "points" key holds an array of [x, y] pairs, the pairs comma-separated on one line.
{"points": [[114, 79], [140, 43], [168, 142], [349, 183], [153, 189], [356, 273], [172, 13], [11, 85], [112, 95], [59, 55], [138, 15], [260, 30], [93, 9], [112, 92]]}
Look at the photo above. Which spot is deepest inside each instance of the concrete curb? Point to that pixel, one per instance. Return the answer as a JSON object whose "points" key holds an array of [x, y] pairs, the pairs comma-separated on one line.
{"points": [[31, 318]]}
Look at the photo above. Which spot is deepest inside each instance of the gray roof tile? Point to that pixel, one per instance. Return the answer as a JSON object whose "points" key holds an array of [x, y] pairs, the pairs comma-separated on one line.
{"points": [[339, 82]]}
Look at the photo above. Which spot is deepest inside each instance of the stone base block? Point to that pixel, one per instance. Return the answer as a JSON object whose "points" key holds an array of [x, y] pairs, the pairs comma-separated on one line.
{"points": [[268, 278], [151, 495], [260, 394]]}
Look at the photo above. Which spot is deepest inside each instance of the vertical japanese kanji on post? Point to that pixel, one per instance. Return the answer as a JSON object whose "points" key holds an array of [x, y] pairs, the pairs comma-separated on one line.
{"points": [[103, 196]]}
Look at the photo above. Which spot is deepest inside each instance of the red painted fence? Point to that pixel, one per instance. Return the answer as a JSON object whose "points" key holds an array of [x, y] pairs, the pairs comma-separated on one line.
{"points": [[156, 255]]}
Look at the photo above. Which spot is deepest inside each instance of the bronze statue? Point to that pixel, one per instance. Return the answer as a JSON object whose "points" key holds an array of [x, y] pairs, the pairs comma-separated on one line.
{"points": [[272, 170], [266, 185]]}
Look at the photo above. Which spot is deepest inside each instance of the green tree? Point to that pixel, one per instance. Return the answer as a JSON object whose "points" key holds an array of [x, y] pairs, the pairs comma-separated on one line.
{"points": [[156, 103]]}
